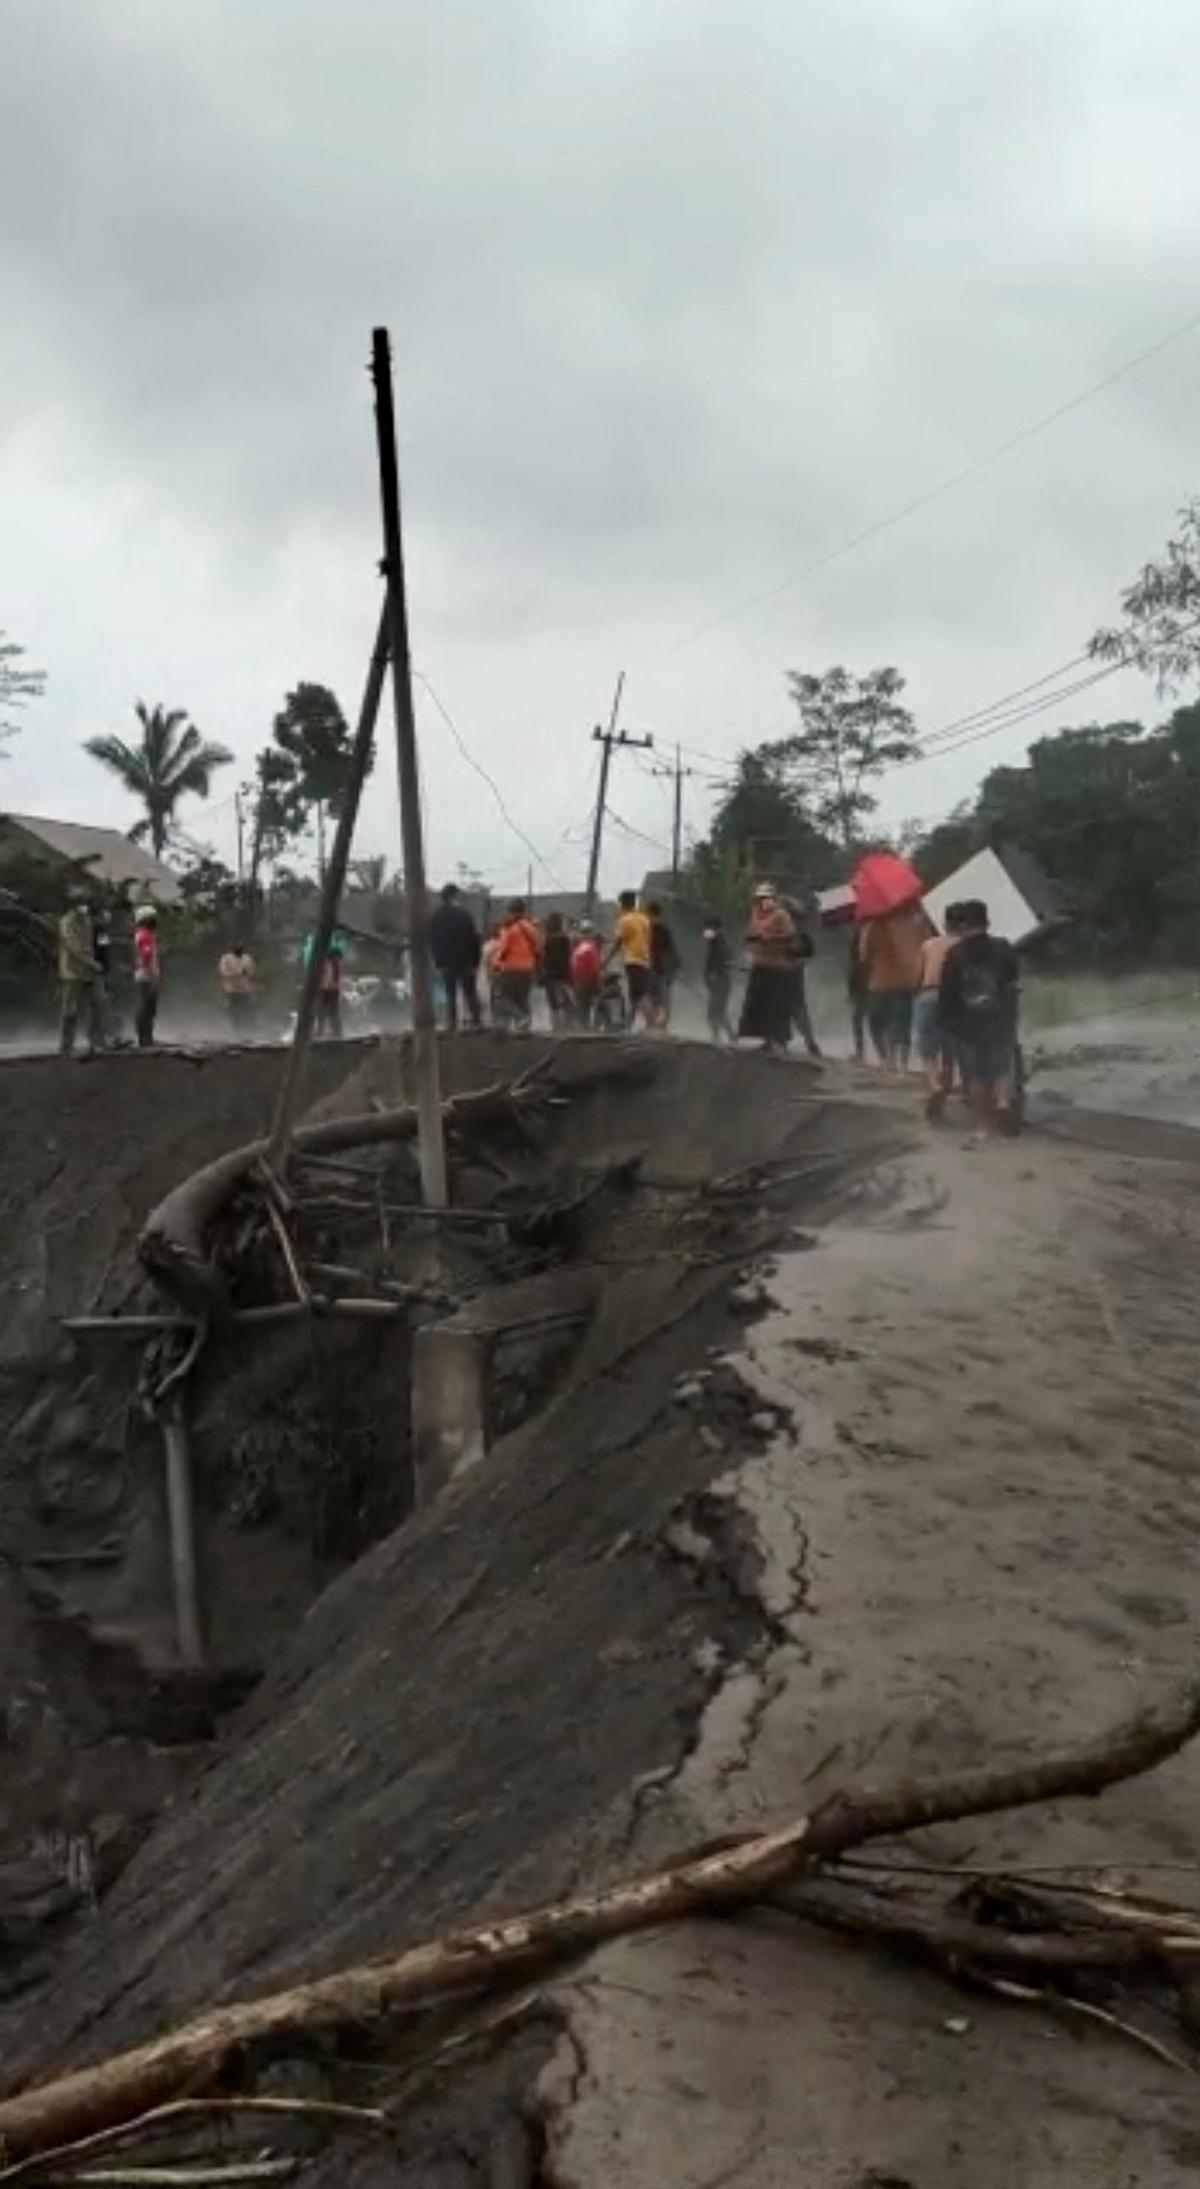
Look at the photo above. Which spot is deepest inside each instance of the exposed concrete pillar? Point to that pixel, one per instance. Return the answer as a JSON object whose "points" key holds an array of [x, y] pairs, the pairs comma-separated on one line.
{"points": [[450, 1372]]}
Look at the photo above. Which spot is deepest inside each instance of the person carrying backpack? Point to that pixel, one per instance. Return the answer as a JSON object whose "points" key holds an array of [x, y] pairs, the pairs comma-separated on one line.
{"points": [[978, 1012], [718, 977]]}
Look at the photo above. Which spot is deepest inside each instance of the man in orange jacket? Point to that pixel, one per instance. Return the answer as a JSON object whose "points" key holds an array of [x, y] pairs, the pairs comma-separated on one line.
{"points": [[514, 967]]}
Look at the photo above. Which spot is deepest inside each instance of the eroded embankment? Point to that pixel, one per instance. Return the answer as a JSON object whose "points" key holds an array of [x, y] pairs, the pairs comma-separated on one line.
{"points": [[458, 1721]]}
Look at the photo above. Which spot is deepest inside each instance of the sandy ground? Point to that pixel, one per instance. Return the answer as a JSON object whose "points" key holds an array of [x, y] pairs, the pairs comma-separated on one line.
{"points": [[977, 1536], [957, 1519]]}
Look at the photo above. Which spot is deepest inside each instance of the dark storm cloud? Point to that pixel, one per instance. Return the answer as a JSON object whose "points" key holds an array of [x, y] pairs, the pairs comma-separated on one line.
{"points": [[681, 294], [646, 271]]}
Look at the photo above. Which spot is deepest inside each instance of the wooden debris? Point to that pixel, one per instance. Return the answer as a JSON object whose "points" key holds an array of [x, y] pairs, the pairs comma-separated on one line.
{"points": [[183, 2177], [745, 1870], [165, 2120]]}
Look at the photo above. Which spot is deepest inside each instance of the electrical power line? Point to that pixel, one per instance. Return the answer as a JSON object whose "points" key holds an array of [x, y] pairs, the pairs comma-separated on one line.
{"points": [[1012, 721], [1003, 714], [656, 843], [212, 805], [980, 714], [494, 788], [970, 732], [934, 493]]}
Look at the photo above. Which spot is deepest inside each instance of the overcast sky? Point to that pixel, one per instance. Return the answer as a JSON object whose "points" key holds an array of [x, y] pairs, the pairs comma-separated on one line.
{"points": [[683, 295]]}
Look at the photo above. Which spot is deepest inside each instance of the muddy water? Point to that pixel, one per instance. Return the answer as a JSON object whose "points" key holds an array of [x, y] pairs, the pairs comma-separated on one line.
{"points": [[1131, 1064]]}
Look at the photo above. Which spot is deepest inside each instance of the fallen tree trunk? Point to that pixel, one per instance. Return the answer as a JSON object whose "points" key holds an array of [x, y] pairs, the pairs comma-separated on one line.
{"points": [[172, 1240], [171, 1245], [750, 1869]]}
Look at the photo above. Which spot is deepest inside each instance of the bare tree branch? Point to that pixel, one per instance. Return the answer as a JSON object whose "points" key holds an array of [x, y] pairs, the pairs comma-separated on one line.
{"points": [[750, 1869]]}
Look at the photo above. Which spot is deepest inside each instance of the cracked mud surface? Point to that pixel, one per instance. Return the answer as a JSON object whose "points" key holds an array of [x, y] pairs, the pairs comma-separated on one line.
{"points": [[975, 1531], [459, 1721], [928, 1494]]}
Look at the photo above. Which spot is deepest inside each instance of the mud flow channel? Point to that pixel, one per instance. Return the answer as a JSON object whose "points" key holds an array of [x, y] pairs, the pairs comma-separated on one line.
{"points": [[425, 1460]]}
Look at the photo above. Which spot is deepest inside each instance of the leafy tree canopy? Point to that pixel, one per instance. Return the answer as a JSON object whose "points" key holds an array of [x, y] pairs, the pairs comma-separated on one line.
{"points": [[1111, 811], [762, 826], [18, 685], [1159, 630], [314, 736], [306, 764], [852, 728]]}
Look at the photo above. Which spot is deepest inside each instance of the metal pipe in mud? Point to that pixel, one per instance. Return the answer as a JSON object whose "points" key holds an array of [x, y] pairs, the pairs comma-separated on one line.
{"points": [[181, 1528], [274, 1311]]}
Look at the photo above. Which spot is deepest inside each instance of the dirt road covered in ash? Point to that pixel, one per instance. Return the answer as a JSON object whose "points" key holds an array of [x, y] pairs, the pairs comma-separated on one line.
{"points": [[920, 1493]]}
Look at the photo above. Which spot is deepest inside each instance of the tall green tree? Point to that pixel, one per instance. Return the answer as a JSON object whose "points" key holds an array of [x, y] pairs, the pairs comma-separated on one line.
{"points": [[936, 851], [1111, 811], [762, 826], [18, 685], [1159, 630], [279, 811], [851, 729], [169, 762], [314, 735], [302, 774]]}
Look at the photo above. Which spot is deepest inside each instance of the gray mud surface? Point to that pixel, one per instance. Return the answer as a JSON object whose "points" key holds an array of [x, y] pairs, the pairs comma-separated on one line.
{"points": [[909, 1487], [453, 1723]]}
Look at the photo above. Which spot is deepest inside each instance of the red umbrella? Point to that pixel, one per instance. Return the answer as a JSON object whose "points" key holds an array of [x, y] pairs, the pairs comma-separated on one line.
{"points": [[882, 883]]}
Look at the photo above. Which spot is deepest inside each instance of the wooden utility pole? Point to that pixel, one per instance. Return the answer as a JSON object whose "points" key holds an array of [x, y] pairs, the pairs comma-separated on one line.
{"points": [[676, 772], [332, 885], [677, 818], [431, 1146], [607, 739]]}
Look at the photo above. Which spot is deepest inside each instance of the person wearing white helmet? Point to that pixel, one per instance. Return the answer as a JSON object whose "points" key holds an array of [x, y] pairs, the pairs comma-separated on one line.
{"points": [[147, 973]]}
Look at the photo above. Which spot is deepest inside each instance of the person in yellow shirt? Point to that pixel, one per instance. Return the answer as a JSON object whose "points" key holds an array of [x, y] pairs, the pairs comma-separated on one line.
{"points": [[632, 941]]}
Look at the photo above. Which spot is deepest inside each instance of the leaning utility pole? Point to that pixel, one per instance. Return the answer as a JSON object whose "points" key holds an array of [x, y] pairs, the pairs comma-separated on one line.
{"points": [[431, 1146], [607, 739], [332, 884]]}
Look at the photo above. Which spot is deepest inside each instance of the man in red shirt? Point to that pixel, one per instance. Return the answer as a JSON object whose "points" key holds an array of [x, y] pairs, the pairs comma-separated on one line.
{"points": [[147, 973], [585, 971]]}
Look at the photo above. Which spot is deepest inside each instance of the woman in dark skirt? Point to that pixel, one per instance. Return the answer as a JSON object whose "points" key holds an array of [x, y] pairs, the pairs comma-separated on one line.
{"points": [[770, 990]]}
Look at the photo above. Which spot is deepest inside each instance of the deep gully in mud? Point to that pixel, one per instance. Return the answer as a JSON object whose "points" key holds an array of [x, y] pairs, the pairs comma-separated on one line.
{"points": [[609, 1218]]}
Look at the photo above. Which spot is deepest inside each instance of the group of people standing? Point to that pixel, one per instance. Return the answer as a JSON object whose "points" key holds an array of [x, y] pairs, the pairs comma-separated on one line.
{"points": [[587, 980], [85, 966], [952, 996]]}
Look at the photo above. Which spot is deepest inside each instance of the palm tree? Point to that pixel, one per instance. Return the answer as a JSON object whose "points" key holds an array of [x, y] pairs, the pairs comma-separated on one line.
{"points": [[172, 761]]}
